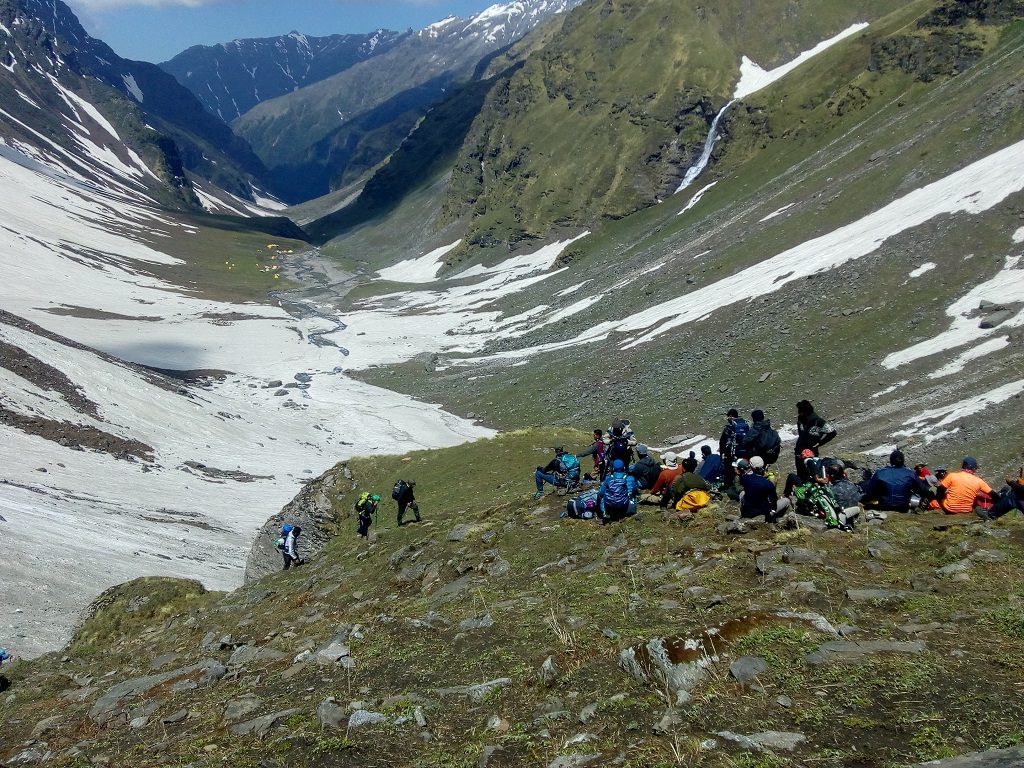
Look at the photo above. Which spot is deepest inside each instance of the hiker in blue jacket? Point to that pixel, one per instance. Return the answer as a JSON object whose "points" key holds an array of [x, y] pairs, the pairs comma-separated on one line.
{"points": [[563, 471], [711, 468], [892, 487], [618, 493]]}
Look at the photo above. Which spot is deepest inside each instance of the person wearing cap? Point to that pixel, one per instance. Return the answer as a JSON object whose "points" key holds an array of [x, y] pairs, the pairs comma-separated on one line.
{"points": [[812, 432], [729, 443], [958, 490], [617, 495], [670, 470], [689, 480], [710, 468], [759, 496], [891, 488], [555, 472], [647, 468]]}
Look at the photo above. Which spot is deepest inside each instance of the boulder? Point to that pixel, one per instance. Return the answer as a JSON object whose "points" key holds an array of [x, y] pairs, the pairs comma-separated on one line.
{"points": [[477, 692], [460, 532], [876, 595], [261, 725], [997, 758], [767, 740], [363, 718], [549, 671], [311, 511], [747, 668], [848, 650], [241, 708], [251, 654], [115, 702]]}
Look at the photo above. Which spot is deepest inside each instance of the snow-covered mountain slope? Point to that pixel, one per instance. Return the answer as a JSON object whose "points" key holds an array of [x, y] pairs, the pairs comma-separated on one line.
{"points": [[329, 133], [231, 78], [110, 470], [66, 92]]}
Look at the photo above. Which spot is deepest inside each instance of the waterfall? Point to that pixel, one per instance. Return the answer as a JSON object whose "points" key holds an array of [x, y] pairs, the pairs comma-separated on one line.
{"points": [[697, 168]]}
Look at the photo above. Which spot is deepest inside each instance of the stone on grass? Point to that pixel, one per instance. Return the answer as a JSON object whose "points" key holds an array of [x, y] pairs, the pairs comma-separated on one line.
{"points": [[477, 622], [575, 761], [876, 595], [847, 650], [997, 758], [240, 708], [460, 532], [331, 715], [477, 692], [549, 671], [261, 725], [363, 718], [746, 668], [766, 740]]}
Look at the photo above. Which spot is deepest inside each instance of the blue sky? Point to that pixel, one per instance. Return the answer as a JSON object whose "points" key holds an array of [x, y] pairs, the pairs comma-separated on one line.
{"points": [[156, 30]]}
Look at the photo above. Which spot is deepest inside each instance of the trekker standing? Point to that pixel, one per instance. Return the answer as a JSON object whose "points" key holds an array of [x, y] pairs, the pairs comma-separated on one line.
{"points": [[619, 443], [812, 432], [729, 443], [288, 544], [761, 439], [597, 451], [959, 490], [406, 498]]}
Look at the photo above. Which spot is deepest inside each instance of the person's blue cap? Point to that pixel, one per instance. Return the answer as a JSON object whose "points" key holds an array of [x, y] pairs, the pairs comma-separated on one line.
{"points": [[970, 463], [618, 464]]}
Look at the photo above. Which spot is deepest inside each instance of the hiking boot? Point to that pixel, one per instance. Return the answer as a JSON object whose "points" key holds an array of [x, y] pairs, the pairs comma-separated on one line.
{"points": [[539, 495]]}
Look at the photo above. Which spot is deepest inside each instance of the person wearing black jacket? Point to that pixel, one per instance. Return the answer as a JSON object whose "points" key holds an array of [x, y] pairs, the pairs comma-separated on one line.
{"points": [[812, 432], [761, 438], [729, 443], [408, 501], [646, 469]]}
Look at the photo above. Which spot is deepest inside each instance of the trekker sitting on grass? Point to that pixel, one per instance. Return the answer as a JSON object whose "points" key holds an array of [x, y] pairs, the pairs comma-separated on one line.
{"points": [[892, 488], [711, 467], [688, 481], [847, 492], [759, 496], [1011, 498], [618, 494], [646, 470], [959, 491], [662, 490], [563, 472]]}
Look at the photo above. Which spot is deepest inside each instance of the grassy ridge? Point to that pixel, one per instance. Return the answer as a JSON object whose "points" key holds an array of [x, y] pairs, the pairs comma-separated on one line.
{"points": [[572, 591]]}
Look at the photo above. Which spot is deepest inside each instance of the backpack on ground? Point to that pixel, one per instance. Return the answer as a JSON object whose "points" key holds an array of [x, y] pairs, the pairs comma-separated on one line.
{"points": [[399, 490], [693, 501], [584, 506]]}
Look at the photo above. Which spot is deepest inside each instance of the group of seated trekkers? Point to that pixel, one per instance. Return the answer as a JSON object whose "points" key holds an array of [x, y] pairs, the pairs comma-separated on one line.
{"points": [[626, 474]]}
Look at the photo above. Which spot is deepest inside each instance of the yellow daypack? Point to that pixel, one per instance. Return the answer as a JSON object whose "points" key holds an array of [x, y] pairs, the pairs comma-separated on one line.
{"points": [[693, 500]]}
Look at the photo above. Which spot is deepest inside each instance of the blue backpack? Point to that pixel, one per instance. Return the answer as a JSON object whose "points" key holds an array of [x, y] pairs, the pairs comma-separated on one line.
{"points": [[740, 427], [617, 489], [583, 506], [570, 464]]}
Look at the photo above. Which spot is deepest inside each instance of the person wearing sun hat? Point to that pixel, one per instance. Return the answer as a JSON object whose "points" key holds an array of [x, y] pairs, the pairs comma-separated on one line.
{"points": [[671, 469], [960, 489]]}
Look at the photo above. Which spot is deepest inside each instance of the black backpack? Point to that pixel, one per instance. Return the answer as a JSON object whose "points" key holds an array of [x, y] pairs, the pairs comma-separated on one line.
{"points": [[773, 447], [399, 490]]}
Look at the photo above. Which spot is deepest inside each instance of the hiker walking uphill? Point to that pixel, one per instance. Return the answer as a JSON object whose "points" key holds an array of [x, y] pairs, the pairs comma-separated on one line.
{"points": [[366, 508], [403, 494], [729, 443], [288, 545], [812, 432]]}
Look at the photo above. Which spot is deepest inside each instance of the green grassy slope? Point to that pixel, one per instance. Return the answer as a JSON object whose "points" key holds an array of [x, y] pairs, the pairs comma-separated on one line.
{"points": [[790, 145], [607, 117], [576, 592]]}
